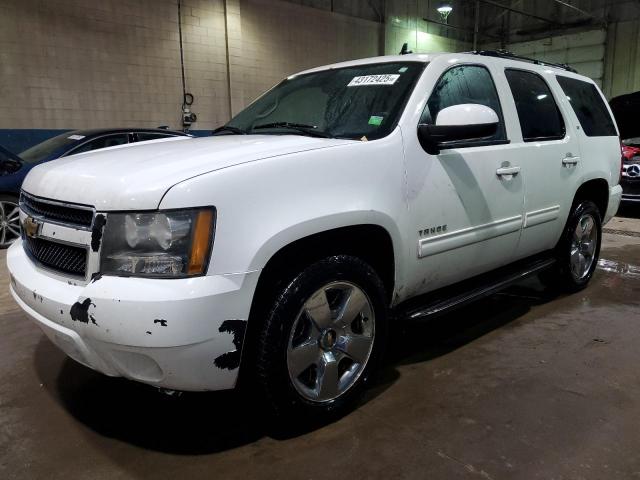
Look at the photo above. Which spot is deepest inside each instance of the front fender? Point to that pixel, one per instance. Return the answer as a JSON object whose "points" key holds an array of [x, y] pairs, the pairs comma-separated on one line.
{"points": [[314, 226], [263, 206]]}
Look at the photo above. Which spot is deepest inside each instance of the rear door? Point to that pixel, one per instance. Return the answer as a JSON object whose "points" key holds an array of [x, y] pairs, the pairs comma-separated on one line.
{"points": [[547, 151]]}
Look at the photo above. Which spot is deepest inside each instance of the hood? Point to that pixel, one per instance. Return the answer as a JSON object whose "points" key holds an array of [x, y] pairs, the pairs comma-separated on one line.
{"points": [[136, 176], [625, 111]]}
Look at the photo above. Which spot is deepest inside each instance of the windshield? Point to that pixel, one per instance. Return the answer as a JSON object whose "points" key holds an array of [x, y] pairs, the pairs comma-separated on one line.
{"points": [[41, 151], [351, 102], [632, 142]]}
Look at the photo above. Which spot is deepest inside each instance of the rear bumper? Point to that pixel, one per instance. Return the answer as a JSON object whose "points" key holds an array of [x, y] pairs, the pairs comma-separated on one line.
{"points": [[182, 334], [615, 196]]}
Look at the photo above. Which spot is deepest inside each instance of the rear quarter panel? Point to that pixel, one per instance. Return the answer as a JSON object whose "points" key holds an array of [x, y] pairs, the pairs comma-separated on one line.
{"points": [[599, 156]]}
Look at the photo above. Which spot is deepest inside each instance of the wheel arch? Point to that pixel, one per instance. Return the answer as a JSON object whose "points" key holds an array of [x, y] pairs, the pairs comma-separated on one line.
{"points": [[372, 242], [596, 190], [9, 194]]}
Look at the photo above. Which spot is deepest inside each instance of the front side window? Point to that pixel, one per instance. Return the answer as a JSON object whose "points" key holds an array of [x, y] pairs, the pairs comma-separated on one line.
{"points": [[351, 102], [539, 115], [465, 84], [588, 106]]}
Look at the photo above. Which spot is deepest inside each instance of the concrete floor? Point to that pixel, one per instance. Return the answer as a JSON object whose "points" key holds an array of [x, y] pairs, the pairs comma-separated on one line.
{"points": [[519, 385]]}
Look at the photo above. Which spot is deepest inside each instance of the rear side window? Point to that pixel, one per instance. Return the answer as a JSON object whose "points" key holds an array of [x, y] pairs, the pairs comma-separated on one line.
{"points": [[465, 84], [539, 116], [589, 107], [144, 136]]}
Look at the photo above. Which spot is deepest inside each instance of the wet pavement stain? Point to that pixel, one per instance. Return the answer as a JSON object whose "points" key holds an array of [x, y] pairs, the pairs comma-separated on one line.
{"points": [[523, 384]]}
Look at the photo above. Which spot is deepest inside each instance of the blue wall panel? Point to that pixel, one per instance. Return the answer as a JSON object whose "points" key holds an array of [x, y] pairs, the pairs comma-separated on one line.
{"points": [[18, 140]]}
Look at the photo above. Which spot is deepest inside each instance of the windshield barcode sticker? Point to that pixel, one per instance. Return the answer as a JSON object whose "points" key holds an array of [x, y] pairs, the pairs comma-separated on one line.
{"points": [[374, 80], [75, 137]]}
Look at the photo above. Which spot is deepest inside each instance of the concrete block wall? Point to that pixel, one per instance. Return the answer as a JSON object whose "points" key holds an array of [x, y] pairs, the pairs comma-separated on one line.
{"points": [[67, 64], [277, 42], [622, 68], [80, 64]]}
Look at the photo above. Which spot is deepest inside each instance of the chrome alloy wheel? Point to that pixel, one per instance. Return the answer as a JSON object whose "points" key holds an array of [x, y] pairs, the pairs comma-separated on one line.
{"points": [[9, 222], [583, 246], [331, 341]]}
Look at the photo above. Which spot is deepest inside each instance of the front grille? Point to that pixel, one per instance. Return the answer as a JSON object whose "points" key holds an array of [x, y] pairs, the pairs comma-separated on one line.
{"points": [[57, 256], [54, 212]]}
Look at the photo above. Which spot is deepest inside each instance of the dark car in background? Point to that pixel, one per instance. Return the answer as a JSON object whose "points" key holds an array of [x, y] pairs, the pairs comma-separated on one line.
{"points": [[630, 179], [14, 167], [625, 109]]}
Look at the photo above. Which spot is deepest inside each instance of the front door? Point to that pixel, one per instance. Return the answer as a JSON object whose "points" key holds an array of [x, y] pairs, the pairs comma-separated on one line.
{"points": [[465, 211]]}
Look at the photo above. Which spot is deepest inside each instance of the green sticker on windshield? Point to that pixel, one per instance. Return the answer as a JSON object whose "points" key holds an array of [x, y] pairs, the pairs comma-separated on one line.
{"points": [[403, 69], [375, 120]]}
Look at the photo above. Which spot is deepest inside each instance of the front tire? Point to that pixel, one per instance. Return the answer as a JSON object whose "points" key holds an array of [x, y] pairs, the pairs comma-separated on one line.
{"points": [[322, 340], [578, 250], [9, 220]]}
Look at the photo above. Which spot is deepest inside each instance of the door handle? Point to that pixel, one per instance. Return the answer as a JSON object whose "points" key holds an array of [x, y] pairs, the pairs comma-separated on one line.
{"points": [[569, 161], [511, 171]]}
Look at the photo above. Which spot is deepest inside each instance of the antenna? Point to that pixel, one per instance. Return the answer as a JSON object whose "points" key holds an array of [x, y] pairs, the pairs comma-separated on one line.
{"points": [[405, 49]]}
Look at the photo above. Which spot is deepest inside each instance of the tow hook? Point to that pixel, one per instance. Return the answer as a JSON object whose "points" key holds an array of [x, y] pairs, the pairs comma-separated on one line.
{"points": [[171, 393]]}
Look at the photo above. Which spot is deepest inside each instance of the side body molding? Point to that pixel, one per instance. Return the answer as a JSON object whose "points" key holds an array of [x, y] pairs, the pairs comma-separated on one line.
{"points": [[468, 236]]}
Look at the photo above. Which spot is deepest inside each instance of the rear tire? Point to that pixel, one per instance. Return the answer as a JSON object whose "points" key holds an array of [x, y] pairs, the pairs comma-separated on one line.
{"points": [[578, 250], [322, 340], [9, 220]]}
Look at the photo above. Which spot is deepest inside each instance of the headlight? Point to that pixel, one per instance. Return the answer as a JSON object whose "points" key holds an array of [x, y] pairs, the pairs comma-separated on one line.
{"points": [[172, 243]]}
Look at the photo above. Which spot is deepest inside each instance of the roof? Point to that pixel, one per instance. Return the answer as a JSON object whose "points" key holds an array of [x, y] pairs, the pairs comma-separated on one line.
{"points": [[102, 131], [412, 57], [502, 57]]}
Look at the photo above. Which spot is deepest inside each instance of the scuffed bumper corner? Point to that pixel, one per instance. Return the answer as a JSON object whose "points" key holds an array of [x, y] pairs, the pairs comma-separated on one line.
{"points": [[615, 196], [182, 334]]}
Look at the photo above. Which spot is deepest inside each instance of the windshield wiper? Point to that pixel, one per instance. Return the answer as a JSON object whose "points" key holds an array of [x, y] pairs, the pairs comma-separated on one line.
{"points": [[230, 129], [311, 130]]}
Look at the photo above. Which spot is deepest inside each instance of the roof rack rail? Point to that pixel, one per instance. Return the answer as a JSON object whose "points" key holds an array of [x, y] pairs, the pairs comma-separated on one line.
{"points": [[512, 56]]}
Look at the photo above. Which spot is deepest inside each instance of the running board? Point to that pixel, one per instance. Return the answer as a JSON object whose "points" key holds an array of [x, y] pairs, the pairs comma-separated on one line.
{"points": [[450, 298]]}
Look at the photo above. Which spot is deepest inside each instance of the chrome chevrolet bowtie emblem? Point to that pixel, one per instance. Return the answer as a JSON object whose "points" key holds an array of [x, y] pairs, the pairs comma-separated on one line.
{"points": [[31, 227], [633, 171]]}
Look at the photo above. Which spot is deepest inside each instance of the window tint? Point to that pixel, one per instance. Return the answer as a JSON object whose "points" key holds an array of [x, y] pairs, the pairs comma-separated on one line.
{"points": [[144, 136], [591, 111], [539, 116], [103, 142], [464, 84]]}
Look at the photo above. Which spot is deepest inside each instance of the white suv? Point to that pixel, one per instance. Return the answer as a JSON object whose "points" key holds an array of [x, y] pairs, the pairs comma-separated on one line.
{"points": [[347, 195]]}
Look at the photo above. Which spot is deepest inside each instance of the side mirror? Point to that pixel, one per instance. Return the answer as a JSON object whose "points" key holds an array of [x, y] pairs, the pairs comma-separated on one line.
{"points": [[467, 121], [9, 166]]}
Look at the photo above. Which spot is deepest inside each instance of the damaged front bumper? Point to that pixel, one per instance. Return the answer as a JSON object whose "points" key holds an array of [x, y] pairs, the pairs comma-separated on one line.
{"points": [[183, 334]]}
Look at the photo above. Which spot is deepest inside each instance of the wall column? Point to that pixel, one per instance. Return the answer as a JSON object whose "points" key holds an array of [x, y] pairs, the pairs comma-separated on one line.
{"points": [[233, 40]]}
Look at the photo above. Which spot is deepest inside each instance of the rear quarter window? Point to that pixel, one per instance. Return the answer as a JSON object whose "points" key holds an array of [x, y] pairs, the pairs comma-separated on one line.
{"points": [[588, 106]]}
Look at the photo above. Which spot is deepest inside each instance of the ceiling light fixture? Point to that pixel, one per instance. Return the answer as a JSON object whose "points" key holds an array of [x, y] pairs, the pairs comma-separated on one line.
{"points": [[444, 9]]}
